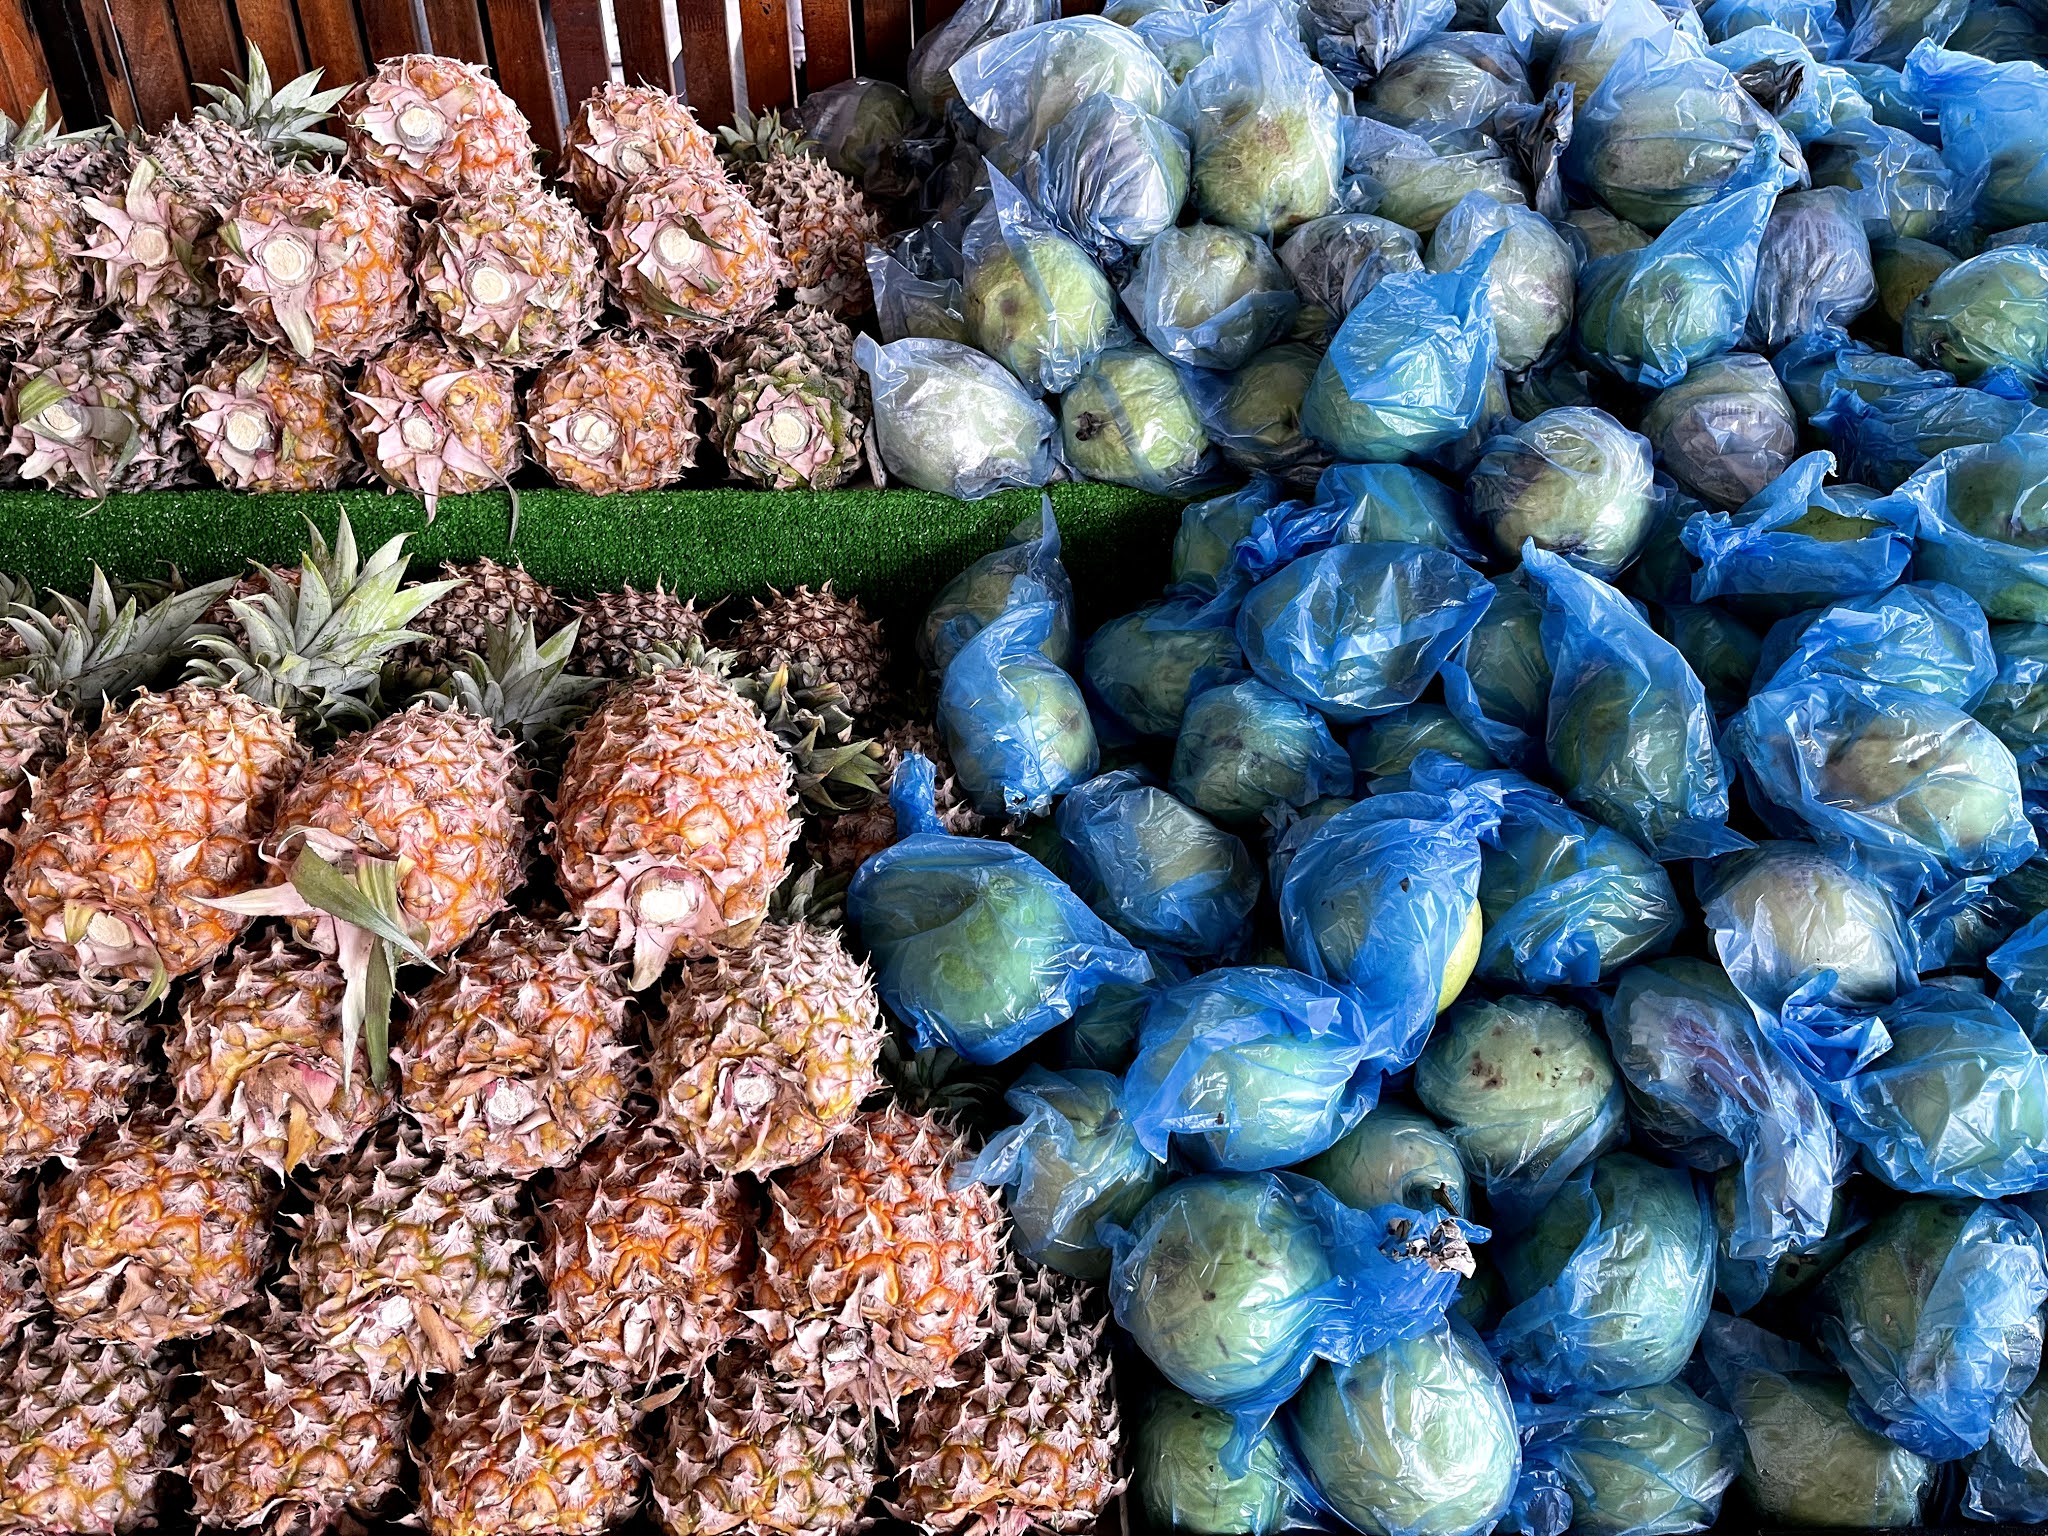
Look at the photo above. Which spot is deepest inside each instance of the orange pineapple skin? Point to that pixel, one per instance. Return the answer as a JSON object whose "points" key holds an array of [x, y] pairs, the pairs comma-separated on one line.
{"points": [[68, 1055], [161, 808], [483, 140]]}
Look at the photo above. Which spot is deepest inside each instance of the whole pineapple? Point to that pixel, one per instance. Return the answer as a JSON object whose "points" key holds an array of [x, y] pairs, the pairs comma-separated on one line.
{"points": [[647, 1262], [791, 408], [755, 1454], [821, 220], [462, 621], [691, 259], [257, 1060], [68, 1055], [424, 127], [93, 412], [614, 415], [1028, 1440], [242, 133], [150, 259], [616, 629], [406, 1265], [85, 1436], [45, 282], [265, 421], [319, 263], [672, 823], [152, 1236], [430, 421], [875, 1272], [766, 1054], [623, 132], [822, 638], [287, 1437], [510, 276], [83, 161]]}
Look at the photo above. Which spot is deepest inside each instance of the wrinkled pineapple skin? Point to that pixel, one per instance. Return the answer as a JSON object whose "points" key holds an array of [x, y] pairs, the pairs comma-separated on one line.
{"points": [[43, 283], [431, 421], [822, 638], [67, 1058], [85, 1436], [616, 415], [690, 258], [617, 628], [510, 276]]}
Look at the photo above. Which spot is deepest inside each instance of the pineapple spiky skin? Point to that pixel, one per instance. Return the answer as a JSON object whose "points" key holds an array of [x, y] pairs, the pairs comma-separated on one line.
{"points": [[789, 428], [85, 161], [673, 822], [755, 1455], [263, 420], [822, 221], [647, 1261], [242, 133], [318, 263], [155, 813], [617, 628], [491, 596], [847, 841], [425, 127], [432, 422], [152, 1236], [68, 1054], [149, 254], [407, 1265], [34, 727], [45, 284], [766, 1054], [624, 132], [615, 415], [1028, 1441], [510, 276], [875, 1273], [21, 1288], [691, 259], [93, 412], [286, 1437], [257, 1061], [822, 638], [525, 1444], [85, 1437]]}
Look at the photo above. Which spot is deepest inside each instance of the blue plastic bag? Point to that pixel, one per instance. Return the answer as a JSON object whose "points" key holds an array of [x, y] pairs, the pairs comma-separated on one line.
{"points": [[1884, 441], [1023, 572], [1813, 22], [1360, 629], [1209, 532], [1784, 543], [2021, 965], [1253, 414], [1245, 749], [1209, 296], [1980, 522], [1155, 869], [1396, 504], [1071, 1163], [1886, 31], [1894, 181], [1925, 637], [1254, 1067], [1497, 684], [1141, 666], [2009, 1477], [1386, 746], [1650, 1461], [1015, 725], [1935, 1318], [1383, 900], [1112, 175], [975, 944], [1102, 1036], [1990, 117], [1356, 41], [2016, 703]]}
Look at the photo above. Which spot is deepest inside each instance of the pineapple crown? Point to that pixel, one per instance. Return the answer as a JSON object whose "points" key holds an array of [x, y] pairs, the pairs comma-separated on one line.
{"points": [[85, 654], [811, 896], [937, 1080], [755, 140], [284, 121], [313, 651], [37, 131], [522, 684]]}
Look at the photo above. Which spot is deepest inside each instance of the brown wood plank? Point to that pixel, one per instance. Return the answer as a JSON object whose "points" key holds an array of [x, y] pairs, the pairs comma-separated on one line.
{"points": [[390, 28], [154, 64], [707, 60], [207, 32], [519, 40], [456, 28], [268, 25], [643, 43], [828, 42], [936, 11], [104, 43], [579, 40], [24, 72], [333, 44], [884, 44], [764, 45]]}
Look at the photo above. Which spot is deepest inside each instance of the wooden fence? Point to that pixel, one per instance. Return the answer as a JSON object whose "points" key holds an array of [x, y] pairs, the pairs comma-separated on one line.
{"points": [[135, 61]]}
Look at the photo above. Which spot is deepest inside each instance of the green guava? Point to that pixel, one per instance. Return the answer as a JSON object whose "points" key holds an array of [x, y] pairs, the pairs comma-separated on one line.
{"points": [[1191, 275], [1575, 480], [1256, 421], [1208, 532], [1905, 269], [1179, 1473], [1721, 650], [1338, 259], [1724, 431], [1504, 658], [1093, 1147], [1264, 164], [1168, 877], [1598, 233], [1246, 749], [1808, 1461], [956, 425], [1389, 744], [1988, 312], [2000, 491], [1529, 281], [1611, 896], [1799, 912], [2016, 703], [1039, 305], [1670, 146], [982, 948], [1142, 663], [1622, 748], [1128, 420], [1417, 189], [1657, 312], [1652, 1462], [1934, 774], [974, 599], [1457, 78], [1394, 1156], [1046, 743]]}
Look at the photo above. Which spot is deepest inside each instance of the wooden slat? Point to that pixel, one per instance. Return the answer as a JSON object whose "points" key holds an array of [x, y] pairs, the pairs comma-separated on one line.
{"points": [[579, 39], [156, 68], [936, 11], [105, 47], [707, 60], [24, 72], [519, 40], [207, 32], [828, 42], [456, 28], [333, 45], [268, 25], [764, 45], [643, 44], [884, 42], [390, 28]]}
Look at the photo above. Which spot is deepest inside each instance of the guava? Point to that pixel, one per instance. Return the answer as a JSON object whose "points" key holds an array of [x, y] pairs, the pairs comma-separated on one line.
{"points": [[1670, 1023], [971, 601], [1807, 1460], [1264, 164], [1416, 1439], [1575, 480], [1669, 145], [930, 67], [1254, 418], [1423, 177], [857, 125], [1209, 531], [1721, 650], [1114, 177], [1566, 898], [1623, 748], [1813, 268], [1651, 314], [1529, 281], [1141, 664], [1245, 749], [1156, 870], [1650, 1461], [1784, 912], [2000, 491], [1988, 312], [948, 419], [1037, 303], [1905, 268], [1457, 78], [1504, 658], [1897, 184], [1596, 233], [1025, 84], [1102, 1036], [1210, 296], [1179, 1472], [1021, 744], [2016, 703], [1338, 259], [1928, 771], [1128, 420], [1387, 746], [1394, 1156], [1395, 504], [1724, 431]]}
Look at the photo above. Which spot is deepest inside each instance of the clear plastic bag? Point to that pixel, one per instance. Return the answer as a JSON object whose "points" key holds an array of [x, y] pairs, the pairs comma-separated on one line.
{"points": [[857, 125], [1892, 180], [1177, 1470], [1245, 750], [2016, 703], [1987, 314], [1142, 666], [1127, 419], [1882, 438], [1796, 543], [1981, 520], [1497, 684], [1394, 1156], [1923, 636], [1888, 31], [1209, 296], [1209, 532], [1454, 78], [1574, 481], [1529, 280], [951, 420], [1813, 267], [1034, 300], [909, 305], [1813, 22], [1015, 725], [1650, 1461], [1102, 1036], [1725, 431], [1356, 39], [975, 944], [2008, 1478], [1025, 571], [1023, 84], [1791, 924], [1112, 176], [1338, 259], [1416, 176], [1386, 746], [1395, 504], [1253, 415], [1990, 118], [931, 62]]}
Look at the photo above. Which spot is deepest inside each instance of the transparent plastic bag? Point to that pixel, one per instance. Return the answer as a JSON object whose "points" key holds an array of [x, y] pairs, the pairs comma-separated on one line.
{"points": [[1725, 431], [1142, 666], [1883, 438], [1924, 636], [1796, 543], [1127, 419], [1356, 39], [931, 62], [1892, 180], [975, 944], [1386, 746], [857, 125], [1990, 118], [1253, 415], [1416, 176], [1025, 571], [1529, 280], [1888, 31], [909, 305], [1497, 684], [1574, 481], [1650, 1461], [1112, 176], [1015, 725], [1209, 532], [1338, 259], [1813, 22], [1982, 524], [1453, 78], [1023, 84], [1720, 649], [2016, 703], [1102, 1036], [1209, 296], [1791, 924], [1034, 300], [1178, 1472], [1813, 267], [1394, 504], [2008, 1478], [1987, 314], [951, 420], [1394, 1156], [1245, 749]]}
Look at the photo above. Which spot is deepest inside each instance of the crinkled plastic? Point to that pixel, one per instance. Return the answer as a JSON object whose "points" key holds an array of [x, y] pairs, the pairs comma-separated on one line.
{"points": [[1253, 415], [1966, 924], [1813, 267], [1142, 665], [1892, 179], [1156, 870], [1650, 1461], [1815, 365], [1245, 749], [2016, 703], [1813, 22], [857, 125], [1886, 31], [1574, 480], [1795, 543], [1234, 1285], [1721, 650], [909, 305], [975, 943], [1884, 441], [1394, 1156], [1356, 39], [1337, 260], [1983, 522], [1290, 828], [1725, 431], [951, 420], [1497, 684], [1253, 1067], [1416, 176], [1360, 629], [1177, 1470], [1535, 27], [1113, 176], [1395, 504], [1990, 118], [1529, 281], [1102, 1036], [2008, 1479], [931, 62], [1015, 725], [1034, 300], [1387, 745], [1210, 296], [1025, 571], [1409, 368], [1592, 47], [1071, 1163], [1209, 532], [1457, 78], [1612, 1283], [1383, 901], [1926, 637], [1127, 419], [1792, 924], [1990, 312], [1935, 1318], [1022, 85]]}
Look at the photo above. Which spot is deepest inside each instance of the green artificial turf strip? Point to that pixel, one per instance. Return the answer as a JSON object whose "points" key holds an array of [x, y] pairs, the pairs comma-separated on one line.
{"points": [[893, 549]]}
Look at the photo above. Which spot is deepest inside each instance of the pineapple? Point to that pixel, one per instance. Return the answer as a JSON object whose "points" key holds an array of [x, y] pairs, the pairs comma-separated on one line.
{"points": [[84, 1436], [672, 825], [823, 639], [822, 221], [875, 1272], [265, 421], [616, 629], [68, 1055], [21, 1288], [647, 1262], [149, 259], [624, 132], [430, 421], [844, 842], [287, 1437], [761, 1456], [94, 412], [257, 1060], [242, 134], [407, 1265], [489, 598], [319, 263], [690, 257], [83, 161], [767, 1054], [45, 284], [524, 1444], [424, 128], [1028, 1442], [614, 415], [510, 276], [152, 1236], [791, 409]]}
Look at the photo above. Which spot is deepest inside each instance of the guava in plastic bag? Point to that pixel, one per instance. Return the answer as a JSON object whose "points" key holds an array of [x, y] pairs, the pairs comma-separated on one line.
{"points": [[1026, 570], [930, 69], [1015, 725], [1457, 78], [1574, 480], [1070, 1163], [1035, 301], [909, 305], [1988, 312], [1594, 232], [857, 125], [1417, 176], [1253, 415], [975, 943], [1356, 39], [1022, 85], [1142, 664], [1209, 532], [1891, 179], [1924, 636], [1394, 504], [1156, 870], [1126, 419], [1883, 441], [1245, 749], [2008, 1478], [1210, 296], [1798, 543], [1178, 1470], [1590, 47], [2016, 703], [1336, 260], [1788, 921], [1497, 683], [1813, 268], [1394, 1156], [1813, 22], [1721, 650], [1983, 521], [1887, 31], [1102, 1036], [1724, 431], [1650, 1461], [1611, 1283], [951, 420], [1814, 366], [1113, 176], [1529, 281], [1387, 745], [1935, 1319], [1990, 118]]}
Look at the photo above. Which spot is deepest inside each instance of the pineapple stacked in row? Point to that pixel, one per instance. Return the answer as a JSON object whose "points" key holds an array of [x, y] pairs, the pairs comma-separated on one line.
{"points": [[612, 1244], [431, 314]]}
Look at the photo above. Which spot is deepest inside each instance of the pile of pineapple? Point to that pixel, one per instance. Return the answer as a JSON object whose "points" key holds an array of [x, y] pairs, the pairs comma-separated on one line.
{"points": [[357, 1159], [410, 304]]}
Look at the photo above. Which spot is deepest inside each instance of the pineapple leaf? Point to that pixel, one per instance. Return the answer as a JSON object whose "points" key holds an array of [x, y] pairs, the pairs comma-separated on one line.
{"points": [[365, 898], [523, 687]]}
